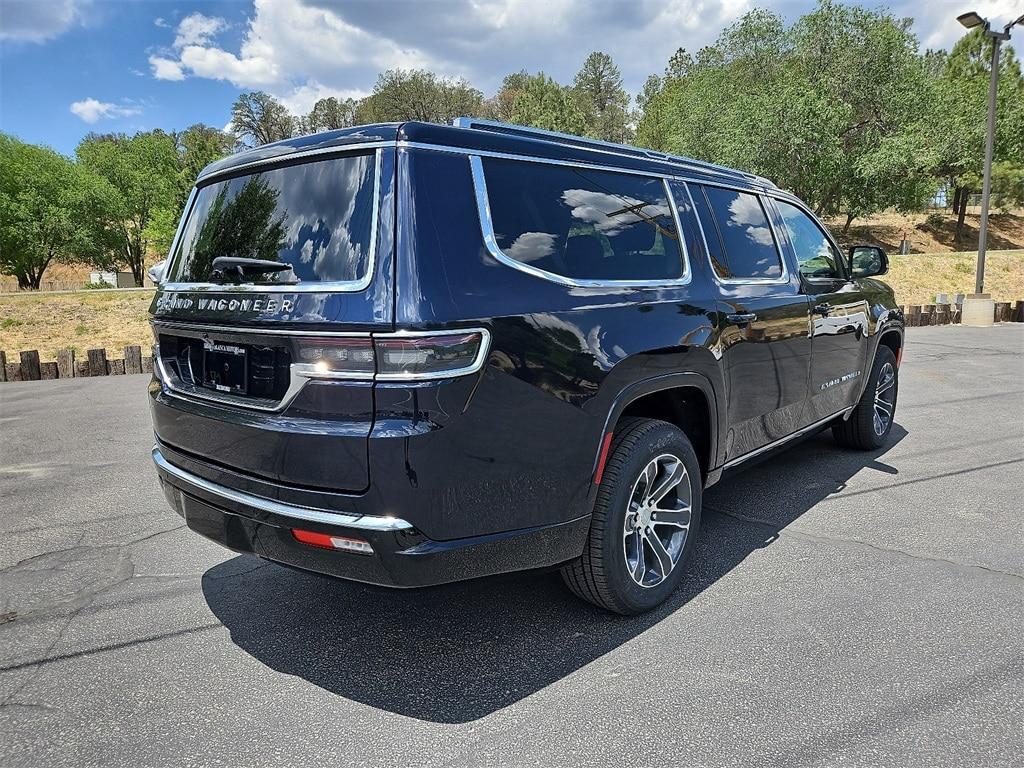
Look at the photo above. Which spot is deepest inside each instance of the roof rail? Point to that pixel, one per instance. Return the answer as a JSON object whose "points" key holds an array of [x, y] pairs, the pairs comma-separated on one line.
{"points": [[604, 146]]}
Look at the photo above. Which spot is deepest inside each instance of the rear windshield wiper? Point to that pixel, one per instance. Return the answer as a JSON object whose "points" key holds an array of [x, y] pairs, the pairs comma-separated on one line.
{"points": [[235, 267]]}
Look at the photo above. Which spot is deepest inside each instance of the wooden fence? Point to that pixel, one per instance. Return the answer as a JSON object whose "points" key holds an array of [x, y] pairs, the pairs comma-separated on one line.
{"points": [[945, 314], [95, 363]]}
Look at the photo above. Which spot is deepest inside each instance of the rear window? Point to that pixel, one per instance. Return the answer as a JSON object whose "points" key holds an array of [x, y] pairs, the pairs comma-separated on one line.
{"points": [[740, 240], [583, 224], [317, 218]]}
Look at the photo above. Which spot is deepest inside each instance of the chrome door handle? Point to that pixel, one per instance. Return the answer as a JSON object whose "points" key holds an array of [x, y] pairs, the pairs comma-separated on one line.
{"points": [[741, 318], [822, 309]]}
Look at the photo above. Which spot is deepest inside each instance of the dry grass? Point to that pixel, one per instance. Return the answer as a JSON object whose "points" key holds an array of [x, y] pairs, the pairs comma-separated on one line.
{"points": [[932, 234], [114, 319], [82, 320], [916, 278]]}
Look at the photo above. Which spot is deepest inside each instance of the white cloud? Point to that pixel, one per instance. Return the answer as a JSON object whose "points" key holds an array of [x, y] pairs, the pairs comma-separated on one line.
{"points": [[253, 71], [197, 29], [937, 26], [166, 69], [302, 98], [91, 110], [37, 21], [301, 50], [296, 52]]}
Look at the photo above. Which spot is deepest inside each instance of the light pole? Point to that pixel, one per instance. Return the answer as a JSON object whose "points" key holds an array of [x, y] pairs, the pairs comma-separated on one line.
{"points": [[972, 20]]}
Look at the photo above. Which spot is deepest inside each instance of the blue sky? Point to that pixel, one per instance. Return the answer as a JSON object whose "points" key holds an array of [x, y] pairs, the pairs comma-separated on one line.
{"points": [[71, 66]]}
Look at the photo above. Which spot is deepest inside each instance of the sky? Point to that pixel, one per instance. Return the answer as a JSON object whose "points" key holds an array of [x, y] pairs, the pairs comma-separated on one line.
{"points": [[68, 67]]}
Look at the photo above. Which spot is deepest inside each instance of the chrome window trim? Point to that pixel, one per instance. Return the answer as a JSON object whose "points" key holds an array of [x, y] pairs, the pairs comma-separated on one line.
{"points": [[364, 522], [728, 281], [186, 212], [331, 286], [340, 149], [300, 373], [487, 228], [799, 204], [607, 147], [737, 184]]}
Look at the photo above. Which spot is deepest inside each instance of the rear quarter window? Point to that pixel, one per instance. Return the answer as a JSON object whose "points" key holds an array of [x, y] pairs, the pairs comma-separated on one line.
{"points": [[583, 224]]}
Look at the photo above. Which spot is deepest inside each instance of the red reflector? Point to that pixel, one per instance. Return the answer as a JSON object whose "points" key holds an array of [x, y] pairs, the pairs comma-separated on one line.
{"points": [[326, 541], [605, 447], [899, 356]]}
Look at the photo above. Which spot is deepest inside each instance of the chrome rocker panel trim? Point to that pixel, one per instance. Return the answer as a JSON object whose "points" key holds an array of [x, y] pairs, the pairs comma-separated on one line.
{"points": [[363, 522], [783, 440]]}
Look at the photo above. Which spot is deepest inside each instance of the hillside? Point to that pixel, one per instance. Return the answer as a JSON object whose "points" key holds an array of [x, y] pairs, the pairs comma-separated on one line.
{"points": [[932, 233]]}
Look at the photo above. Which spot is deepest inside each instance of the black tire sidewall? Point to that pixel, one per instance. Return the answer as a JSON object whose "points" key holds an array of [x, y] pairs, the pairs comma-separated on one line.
{"points": [[662, 438], [867, 417]]}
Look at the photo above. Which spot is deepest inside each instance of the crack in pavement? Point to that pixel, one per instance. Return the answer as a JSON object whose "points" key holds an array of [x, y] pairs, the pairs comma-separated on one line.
{"points": [[927, 478], [46, 658], [805, 535], [103, 649]]}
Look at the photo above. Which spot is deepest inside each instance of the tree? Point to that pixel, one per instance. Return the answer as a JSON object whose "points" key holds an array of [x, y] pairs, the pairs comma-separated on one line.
{"points": [[653, 125], [330, 114], [540, 102], [958, 118], [47, 206], [418, 95], [197, 147], [143, 171], [259, 118], [833, 107], [598, 86]]}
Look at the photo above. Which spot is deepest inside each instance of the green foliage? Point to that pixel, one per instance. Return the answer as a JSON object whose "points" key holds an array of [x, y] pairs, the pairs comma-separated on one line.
{"points": [[832, 107], [540, 102], [598, 89], [47, 208], [330, 114], [258, 118], [417, 94], [142, 171], [242, 227], [197, 147]]}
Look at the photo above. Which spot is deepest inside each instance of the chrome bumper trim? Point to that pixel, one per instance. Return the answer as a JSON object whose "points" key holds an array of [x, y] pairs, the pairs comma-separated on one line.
{"points": [[364, 522]]}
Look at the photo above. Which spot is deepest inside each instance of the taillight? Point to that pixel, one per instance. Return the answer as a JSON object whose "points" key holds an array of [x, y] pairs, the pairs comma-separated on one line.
{"points": [[404, 356], [337, 358]]}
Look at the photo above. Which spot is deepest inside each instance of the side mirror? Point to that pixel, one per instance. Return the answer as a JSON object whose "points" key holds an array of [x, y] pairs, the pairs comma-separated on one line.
{"points": [[868, 261], [156, 272]]}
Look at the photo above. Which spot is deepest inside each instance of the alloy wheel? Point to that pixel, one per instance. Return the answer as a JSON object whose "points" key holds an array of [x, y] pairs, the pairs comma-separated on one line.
{"points": [[657, 520], [885, 398]]}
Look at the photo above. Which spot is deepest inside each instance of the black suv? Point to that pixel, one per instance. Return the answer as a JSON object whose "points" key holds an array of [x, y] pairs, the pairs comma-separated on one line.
{"points": [[409, 354]]}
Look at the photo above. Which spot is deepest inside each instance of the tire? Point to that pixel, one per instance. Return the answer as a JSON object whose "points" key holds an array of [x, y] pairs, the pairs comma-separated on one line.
{"points": [[605, 574], [862, 430]]}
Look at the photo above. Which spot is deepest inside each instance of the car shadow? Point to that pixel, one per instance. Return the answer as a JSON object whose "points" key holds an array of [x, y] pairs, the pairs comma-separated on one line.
{"points": [[457, 653]]}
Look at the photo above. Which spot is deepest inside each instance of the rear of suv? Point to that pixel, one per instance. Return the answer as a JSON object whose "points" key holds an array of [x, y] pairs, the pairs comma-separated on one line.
{"points": [[410, 354]]}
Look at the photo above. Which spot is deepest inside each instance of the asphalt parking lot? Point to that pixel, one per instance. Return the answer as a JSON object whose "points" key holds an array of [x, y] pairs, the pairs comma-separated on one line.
{"points": [[841, 609]]}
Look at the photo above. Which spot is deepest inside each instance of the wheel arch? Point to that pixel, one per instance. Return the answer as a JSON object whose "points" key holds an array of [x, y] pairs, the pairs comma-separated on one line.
{"points": [[686, 399], [892, 337]]}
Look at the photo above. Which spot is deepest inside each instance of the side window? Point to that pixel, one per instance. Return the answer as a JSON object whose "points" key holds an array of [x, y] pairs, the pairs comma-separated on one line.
{"points": [[815, 252], [746, 247], [583, 224]]}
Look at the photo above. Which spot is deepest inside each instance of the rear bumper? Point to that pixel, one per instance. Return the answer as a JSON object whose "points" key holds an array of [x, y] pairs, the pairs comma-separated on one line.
{"points": [[402, 555]]}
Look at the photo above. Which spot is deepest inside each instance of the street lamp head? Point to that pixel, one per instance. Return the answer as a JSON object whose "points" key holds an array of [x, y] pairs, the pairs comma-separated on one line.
{"points": [[971, 20]]}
